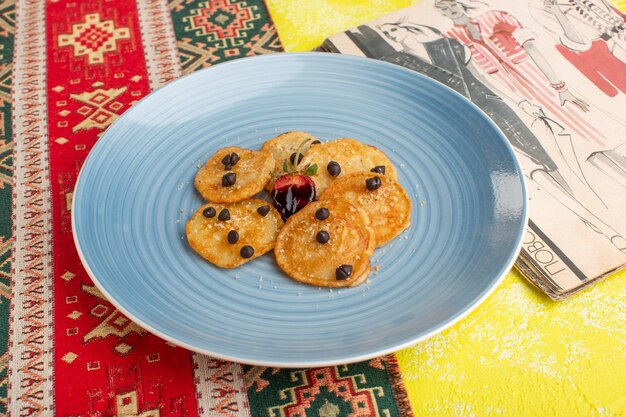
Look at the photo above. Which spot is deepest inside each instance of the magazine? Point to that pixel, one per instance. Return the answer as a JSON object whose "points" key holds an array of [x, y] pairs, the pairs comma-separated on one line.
{"points": [[552, 77]]}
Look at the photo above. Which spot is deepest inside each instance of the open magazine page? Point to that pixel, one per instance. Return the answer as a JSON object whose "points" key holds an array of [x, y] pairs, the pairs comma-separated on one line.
{"points": [[552, 76]]}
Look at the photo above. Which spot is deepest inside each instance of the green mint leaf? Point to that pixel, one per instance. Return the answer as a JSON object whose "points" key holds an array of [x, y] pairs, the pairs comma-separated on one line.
{"points": [[312, 170], [285, 166]]}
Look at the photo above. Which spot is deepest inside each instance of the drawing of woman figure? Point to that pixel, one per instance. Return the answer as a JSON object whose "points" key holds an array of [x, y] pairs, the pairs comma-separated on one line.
{"points": [[591, 34], [446, 60], [449, 62], [505, 52]]}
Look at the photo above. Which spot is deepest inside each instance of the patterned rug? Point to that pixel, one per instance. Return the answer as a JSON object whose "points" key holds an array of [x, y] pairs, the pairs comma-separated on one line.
{"points": [[68, 69]]}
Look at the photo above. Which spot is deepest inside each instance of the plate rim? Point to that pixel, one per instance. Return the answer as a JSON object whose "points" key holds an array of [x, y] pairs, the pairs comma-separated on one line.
{"points": [[410, 341]]}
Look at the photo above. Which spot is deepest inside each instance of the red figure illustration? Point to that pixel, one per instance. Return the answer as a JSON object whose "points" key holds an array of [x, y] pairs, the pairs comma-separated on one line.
{"points": [[591, 35], [505, 51]]}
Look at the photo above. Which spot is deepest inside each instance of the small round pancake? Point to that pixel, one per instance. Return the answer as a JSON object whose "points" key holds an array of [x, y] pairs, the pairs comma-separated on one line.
{"points": [[351, 155], [253, 171], [283, 146], [209, 236], [388, 207], [351, 242]]}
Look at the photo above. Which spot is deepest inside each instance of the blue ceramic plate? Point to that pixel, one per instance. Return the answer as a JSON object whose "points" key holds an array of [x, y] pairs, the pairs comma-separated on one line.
{"points": [[135, 194]]}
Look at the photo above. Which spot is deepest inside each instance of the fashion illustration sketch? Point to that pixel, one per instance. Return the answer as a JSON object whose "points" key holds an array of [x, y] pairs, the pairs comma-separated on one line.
{"points": [[505, 51], [591, 35]]}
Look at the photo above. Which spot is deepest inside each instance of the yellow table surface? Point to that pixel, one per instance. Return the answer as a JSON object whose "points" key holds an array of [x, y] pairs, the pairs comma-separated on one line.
{"points": [[518, 354]]}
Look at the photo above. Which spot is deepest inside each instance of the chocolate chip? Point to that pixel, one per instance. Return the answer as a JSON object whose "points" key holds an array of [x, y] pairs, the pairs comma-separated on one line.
{"points": [[226, 160], [263, 210], [233, 237], [292, 158], [380, 169], [322, 213], [316, 142], [228, 167], [343, 272], [208, 212], [234, 158], [322, 236], [373, 183], [229, 179], [247, 252], [333, 168], [224, 215]]}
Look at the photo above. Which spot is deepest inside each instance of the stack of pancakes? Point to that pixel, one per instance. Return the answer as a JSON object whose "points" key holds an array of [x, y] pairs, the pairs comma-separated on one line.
{"points": [[360, 206]]}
